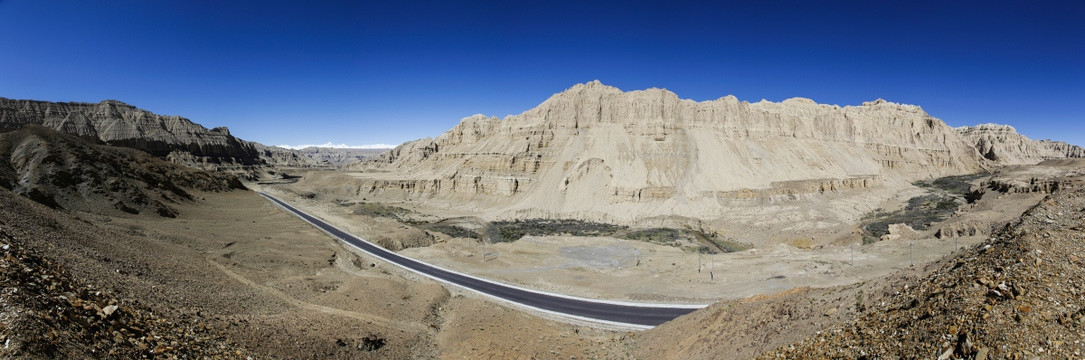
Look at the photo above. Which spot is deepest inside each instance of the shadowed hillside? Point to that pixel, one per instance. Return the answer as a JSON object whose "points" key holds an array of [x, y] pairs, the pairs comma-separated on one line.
{"points": [[62, 171], [170, 137]]}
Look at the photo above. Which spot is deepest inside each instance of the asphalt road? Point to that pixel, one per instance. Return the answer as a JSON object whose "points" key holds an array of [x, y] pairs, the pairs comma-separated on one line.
{"points": [[609, 312]]}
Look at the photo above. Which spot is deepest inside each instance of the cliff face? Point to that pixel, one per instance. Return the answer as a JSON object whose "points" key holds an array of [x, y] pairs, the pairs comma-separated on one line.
{"points": [[1002, 144], [119, 124], [338, 157], [594, 146]]}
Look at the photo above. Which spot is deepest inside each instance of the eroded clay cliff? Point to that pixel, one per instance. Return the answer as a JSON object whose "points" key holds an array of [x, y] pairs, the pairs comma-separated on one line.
{"points": [[1004, 145], [595, 148]]}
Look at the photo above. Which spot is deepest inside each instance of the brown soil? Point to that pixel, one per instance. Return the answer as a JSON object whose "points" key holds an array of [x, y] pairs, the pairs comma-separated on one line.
{"points": [[1016, 296], [742, 329], [966, 303], [273, 286], [612, 268], [46, 313], [233, 275]]}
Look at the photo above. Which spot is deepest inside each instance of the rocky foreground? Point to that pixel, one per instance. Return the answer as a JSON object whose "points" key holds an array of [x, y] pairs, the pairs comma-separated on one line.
{"points": [[1020, 295], [46, 313]]}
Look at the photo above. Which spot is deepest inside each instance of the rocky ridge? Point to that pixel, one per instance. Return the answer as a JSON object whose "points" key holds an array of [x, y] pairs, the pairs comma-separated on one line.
{"points": [[596, 149], [1004, 145], [171, 137], [62, 171], [338, 157]]}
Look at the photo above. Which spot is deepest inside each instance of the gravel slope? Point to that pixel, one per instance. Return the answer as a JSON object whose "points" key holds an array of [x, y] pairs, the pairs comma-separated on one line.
{"points": [[1019, 295]]}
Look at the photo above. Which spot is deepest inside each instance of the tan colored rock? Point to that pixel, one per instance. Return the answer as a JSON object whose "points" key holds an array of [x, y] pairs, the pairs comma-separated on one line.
{"points": [[962, 228], [596, 152], [337, 156], [900, 232], [1004, 145]]}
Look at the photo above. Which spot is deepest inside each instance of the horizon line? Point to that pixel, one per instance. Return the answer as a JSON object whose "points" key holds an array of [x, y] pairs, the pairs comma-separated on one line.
{"points": [[340, 146]]}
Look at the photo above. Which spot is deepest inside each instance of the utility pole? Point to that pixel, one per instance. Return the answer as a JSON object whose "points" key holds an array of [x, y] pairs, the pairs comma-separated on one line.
{"points": [[911, 259], [699, 255], [485, 239]]}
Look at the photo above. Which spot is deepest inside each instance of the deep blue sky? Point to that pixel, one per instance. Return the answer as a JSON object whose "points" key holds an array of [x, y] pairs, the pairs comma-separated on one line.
{"points": [[392, 71]]}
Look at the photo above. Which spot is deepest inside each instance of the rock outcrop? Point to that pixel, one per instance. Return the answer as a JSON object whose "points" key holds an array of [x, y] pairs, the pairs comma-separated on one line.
{"points": [[50, 313], [62, 171], [900, 231], [328, 156], [1004, 145], [1016, 295], [595, 148], [171, 137]]}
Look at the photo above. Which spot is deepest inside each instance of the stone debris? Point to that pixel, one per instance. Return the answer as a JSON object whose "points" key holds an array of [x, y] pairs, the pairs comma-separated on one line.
{"points": [[1019, 295], [44, 312]]}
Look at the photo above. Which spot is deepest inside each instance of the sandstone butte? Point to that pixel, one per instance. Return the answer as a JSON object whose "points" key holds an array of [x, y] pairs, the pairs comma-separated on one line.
{"points": [[596, 152]]}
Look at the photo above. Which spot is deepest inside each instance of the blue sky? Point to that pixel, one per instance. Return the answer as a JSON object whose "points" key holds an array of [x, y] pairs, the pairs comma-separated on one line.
{"points": [[392, 71]]}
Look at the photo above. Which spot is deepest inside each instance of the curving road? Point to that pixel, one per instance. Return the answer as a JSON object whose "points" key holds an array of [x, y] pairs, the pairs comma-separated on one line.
{"points": [[625, 314]]}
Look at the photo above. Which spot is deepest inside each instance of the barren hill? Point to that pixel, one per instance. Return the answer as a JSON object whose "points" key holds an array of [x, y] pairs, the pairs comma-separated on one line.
{"points": [[1014, 295], [338, 156], [598, 152], [1017, 296], [1003, 144], [60, 170], [173, 137]]}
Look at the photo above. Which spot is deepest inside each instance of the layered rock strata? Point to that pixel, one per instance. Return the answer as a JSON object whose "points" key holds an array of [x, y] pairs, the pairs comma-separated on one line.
{"points": [[173, 137], [337, 157], [595, 148], [62, 171], [1004, 145]]}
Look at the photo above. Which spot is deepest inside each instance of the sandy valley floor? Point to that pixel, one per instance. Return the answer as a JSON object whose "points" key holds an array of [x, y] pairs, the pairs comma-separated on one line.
{"points": [[282, 289], [611, 268]]}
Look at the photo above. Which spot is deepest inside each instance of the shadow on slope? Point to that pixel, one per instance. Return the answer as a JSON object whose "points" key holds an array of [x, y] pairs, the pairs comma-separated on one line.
{"points": [[63, 171]]}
